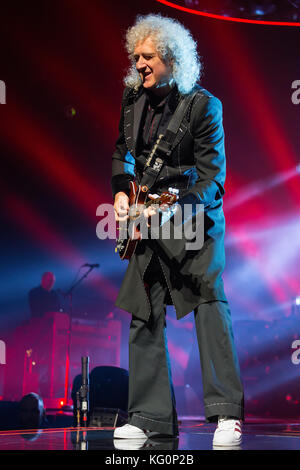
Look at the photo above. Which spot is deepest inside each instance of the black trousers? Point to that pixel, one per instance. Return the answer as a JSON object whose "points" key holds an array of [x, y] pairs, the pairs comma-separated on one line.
{"points": [[151, 395]]}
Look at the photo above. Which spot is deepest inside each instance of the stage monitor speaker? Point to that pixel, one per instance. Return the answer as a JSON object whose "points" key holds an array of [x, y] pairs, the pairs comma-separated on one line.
{"points": [[108, 395], [109, 388]]}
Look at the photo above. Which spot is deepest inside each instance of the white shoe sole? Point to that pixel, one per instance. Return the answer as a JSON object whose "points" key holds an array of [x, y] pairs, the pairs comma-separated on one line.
{"points": [[223, 444], [129, 444], [132, 435]]}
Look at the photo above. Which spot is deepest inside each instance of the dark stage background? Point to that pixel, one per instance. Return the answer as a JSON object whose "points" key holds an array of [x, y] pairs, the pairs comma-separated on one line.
{"points": [[63, 62]]}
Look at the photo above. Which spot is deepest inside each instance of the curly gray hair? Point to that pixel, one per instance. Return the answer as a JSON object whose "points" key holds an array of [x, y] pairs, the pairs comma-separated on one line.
{"points": [[172, 41]]}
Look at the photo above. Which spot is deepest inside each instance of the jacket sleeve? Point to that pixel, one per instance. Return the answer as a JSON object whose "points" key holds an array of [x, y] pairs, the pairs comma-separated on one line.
{"points": [[207, 129], [123, 163]]}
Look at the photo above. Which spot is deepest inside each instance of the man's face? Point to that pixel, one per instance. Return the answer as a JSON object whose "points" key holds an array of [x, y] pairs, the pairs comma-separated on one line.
{"points": [[153, 71], [48, 281]]}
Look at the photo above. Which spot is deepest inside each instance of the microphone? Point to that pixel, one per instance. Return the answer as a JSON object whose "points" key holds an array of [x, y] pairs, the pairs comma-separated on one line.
{"points": [[87, 265]]}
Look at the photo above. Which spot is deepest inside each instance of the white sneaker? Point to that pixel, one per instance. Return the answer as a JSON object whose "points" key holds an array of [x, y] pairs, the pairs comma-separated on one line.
{"points": [[129, 432], [228, 432], [133, 432]]}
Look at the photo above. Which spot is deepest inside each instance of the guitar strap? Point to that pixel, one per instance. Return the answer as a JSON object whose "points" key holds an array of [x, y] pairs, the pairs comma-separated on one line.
{"points": [[163, 145]]}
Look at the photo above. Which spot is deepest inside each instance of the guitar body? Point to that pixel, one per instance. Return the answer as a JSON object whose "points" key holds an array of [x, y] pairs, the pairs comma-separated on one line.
{"points": [[126, 245]]}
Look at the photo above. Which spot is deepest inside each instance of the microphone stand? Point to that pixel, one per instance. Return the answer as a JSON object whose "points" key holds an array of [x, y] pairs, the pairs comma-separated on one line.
{"points": [[69, 294]]}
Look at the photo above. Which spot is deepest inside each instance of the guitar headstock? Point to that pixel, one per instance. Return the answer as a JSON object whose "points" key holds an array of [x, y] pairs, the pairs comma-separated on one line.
{"points": [[167, 198]]}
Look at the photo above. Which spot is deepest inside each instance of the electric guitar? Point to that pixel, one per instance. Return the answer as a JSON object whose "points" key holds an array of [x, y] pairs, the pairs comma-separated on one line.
{"points": [[130, 237]]}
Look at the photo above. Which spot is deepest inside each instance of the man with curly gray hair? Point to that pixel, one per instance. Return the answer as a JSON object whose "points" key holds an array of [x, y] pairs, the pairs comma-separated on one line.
{"points": [[162, 271]]}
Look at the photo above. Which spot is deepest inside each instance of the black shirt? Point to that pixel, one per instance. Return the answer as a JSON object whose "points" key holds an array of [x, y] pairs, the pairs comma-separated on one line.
{"points": [[156, 117], [42, 301]]}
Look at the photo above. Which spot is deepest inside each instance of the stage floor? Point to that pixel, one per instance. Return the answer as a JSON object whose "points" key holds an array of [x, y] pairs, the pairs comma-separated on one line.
{"points": [[194, 435]]}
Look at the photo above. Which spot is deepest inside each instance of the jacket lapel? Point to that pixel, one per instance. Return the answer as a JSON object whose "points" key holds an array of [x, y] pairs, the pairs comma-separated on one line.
{"points": [[128, 126], [138, 111], [173, 103], [132, 119]]}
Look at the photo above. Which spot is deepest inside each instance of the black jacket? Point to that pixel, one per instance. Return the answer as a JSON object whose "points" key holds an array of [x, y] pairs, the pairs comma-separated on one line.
{"points": [[196, 167]]}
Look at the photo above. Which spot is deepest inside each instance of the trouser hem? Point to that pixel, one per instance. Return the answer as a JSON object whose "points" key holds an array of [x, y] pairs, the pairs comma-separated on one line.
{"points": [[214, 410], [153, 425]]}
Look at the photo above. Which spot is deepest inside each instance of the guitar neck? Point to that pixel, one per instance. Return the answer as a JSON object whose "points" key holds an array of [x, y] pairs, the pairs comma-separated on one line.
{"points": [[153, 201]]}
